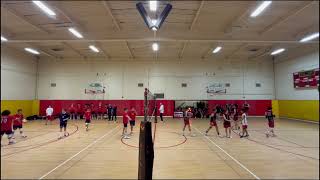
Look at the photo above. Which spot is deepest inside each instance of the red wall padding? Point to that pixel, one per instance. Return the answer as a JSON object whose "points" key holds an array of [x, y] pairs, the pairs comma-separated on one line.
{"points": [[121, 104], [257, 107]]}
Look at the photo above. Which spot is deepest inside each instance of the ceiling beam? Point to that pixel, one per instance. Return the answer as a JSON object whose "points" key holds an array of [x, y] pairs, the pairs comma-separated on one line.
{"points": [[236, 50], [166, 40], [197, 15], [286, 17], [108, 9], [305, 31], [22, 17], [182, 50], [102, 50], [265, 52], [129, 49], [239, 17], [75, 50]]}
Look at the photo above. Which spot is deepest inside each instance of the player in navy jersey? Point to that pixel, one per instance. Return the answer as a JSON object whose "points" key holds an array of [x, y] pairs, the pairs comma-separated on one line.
{"points": [[64, 117]]}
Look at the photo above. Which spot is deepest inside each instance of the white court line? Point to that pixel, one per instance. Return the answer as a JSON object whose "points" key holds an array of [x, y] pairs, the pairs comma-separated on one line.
{"points": [[91, 144], [255, 176]]}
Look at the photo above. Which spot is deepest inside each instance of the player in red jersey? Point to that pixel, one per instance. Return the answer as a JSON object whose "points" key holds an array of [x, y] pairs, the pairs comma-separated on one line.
{"points": [[93, 111], [72, 111], [87, 117], [270, 117], [7, 125], [187, 122], [79, 111], [125, 120], [100, 111], [235, 116], [227, 123], [213, 122], [17, 123], [132, 115]]}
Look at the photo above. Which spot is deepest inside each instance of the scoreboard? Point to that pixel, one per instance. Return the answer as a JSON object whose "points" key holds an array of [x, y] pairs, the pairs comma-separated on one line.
{"points": [[306, 79]]}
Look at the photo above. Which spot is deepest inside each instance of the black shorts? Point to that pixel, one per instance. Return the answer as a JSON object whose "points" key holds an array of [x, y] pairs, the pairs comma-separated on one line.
{"points": [[125, 125], [63, 124], [132, 123], [6, 132], [88, 121], [17, 126]]}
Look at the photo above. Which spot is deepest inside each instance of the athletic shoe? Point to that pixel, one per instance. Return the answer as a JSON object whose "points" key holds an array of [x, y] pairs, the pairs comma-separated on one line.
{"points": [[24, 136], [11, 142], [192, 135], [126, 137], [267, 135], [241, 136]]}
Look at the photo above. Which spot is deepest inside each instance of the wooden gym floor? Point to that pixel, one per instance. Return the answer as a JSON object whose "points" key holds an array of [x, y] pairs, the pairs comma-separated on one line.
{"points": [[100, 153]]}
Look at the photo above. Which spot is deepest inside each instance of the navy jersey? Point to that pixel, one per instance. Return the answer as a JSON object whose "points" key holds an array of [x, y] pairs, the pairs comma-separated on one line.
{"points": [[213, 117], [269, 115], [64, 117]]}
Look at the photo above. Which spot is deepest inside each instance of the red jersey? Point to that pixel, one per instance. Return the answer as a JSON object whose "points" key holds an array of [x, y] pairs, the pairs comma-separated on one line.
{"points": [[87, 115], [79, 109], [125, 118], [133, 115], [72, 109], [6, 123], [17, 119], [100, 109]]}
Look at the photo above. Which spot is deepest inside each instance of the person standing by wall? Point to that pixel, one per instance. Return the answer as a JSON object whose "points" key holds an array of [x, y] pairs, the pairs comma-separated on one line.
{"points": [[114, 113], [109, 112], [49, 114], [72, 111], [161, 110]]}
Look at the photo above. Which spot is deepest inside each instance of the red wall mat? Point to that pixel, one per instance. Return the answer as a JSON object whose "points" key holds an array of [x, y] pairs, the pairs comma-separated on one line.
{"points": [[121, 104], [257, 107]]}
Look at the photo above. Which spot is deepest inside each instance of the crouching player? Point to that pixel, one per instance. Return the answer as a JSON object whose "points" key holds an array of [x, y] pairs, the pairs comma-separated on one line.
{"points": [[213, 122], [7, 125], [270, 117], [64, 117], [18, 122], [244, 123]]}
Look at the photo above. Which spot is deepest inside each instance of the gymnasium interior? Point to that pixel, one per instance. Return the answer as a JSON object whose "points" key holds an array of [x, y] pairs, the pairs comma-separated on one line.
{"points": [[174, 62]]}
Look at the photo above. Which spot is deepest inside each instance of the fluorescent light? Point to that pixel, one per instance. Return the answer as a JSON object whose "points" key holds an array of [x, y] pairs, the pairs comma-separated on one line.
{"points": [[155, 46], [75, 32], [154, 22], [93, 48], [4, 39], [277, 51], [44, 8], [153, 5], [217, 49], [310, 37], [260, 8], [31, 51]]}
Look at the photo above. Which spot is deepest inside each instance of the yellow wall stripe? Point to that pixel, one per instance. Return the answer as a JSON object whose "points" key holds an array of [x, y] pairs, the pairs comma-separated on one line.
{"points": [[299, 109], [29, 107], [275, 107]]}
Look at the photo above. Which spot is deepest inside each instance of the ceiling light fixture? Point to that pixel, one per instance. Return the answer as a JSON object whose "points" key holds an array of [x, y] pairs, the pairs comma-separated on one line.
{"points": [[153, 5], [260, 8], [310, 37], [217, 49], [277, 51], [33, 51], [44, 8], [3, 39], [75, 32], [155, 47], [94, 49]]}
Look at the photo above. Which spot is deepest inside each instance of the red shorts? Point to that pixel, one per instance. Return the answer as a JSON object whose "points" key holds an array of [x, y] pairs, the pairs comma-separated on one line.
{"points": [[213, 123], [186, 121], [50, 118], [271, 124], [244, 126], [226, 124], [235, 118]]}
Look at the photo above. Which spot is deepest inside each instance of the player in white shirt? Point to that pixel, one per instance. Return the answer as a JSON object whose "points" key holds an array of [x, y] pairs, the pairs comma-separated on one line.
{"points": [[244, 123], [49, 114], [161, 110]]}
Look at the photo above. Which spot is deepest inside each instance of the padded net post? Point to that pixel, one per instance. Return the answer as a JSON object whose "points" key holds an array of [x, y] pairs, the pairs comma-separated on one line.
{"points": [[146, 151]]}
